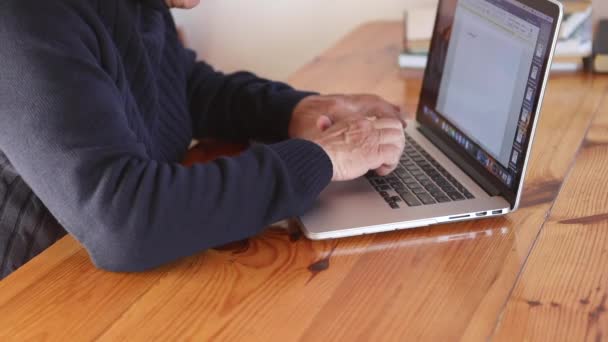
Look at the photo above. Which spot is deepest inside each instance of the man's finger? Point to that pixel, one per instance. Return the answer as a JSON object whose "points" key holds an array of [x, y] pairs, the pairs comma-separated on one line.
{"points": [[391, 136], [378, 102], [383, 108], [390, 154], [385, 170], [391, 114], [387, 123]]}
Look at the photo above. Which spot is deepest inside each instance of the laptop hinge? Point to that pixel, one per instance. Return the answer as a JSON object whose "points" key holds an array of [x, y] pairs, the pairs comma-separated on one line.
{"points": [[478, 177]]}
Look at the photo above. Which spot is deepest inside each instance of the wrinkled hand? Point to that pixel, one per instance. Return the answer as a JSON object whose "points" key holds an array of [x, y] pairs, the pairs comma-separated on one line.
{"points": [[357, 145], [316, 114], [319, 112]]}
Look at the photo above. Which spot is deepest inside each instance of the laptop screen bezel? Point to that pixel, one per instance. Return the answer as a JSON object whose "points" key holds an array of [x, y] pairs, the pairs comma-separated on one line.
{"points": [[547, 7]]}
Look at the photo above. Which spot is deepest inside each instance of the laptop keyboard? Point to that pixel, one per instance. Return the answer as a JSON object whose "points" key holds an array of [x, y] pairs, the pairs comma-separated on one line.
{"points": [[418, 180]]}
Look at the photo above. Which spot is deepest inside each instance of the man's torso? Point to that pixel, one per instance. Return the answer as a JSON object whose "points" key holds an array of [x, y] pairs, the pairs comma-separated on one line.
{"points": [[137, 47]]}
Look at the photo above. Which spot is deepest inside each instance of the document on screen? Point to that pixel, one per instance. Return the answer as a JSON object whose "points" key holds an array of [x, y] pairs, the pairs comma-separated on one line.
{"points": [[485, 76]]}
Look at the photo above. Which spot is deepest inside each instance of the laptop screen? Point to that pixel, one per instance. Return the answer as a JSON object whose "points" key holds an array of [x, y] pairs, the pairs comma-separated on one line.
{"points": [[484, 79]]}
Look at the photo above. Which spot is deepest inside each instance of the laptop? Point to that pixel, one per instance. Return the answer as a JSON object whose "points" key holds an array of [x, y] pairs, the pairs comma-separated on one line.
{"points": [[467, 151]]}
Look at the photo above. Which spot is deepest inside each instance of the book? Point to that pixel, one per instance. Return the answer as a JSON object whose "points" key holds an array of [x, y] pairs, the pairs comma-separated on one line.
{"points": [[418, 46], [408, 60], [600, 58], [573, 21], [417, 32], [579, 42], [567, 66], [412, 60], [575, 40]]}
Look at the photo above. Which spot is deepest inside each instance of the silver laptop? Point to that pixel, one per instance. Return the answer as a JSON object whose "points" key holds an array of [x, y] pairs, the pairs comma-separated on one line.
{"points": [[467, 151]]}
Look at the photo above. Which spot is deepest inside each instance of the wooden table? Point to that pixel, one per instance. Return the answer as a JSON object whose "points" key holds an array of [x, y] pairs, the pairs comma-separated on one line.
{"points": [[540, 273]]}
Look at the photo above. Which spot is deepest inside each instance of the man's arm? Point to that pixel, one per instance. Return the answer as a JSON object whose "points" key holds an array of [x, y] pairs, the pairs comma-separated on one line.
{"points": [[65, 131], [238, 106]]}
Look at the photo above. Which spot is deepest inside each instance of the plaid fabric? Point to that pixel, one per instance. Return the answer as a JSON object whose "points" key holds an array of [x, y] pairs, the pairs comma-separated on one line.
{"points": [[26, 226]]}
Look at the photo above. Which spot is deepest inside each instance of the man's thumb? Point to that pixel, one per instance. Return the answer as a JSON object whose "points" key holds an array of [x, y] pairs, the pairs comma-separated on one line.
{"points": [[324, 122]]}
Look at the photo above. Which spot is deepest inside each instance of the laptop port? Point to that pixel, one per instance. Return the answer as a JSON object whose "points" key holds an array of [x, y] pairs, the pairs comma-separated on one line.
{"points": [[497, 212], [459, 217], [483, 213]]}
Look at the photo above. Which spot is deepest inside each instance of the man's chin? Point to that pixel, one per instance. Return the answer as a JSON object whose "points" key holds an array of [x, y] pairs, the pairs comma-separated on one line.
{"points": [[185, 4]]}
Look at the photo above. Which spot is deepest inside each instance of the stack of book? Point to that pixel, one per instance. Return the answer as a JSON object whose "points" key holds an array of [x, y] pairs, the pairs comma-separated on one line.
{"points": [[574, 47], [417, 31], [575, 42]]}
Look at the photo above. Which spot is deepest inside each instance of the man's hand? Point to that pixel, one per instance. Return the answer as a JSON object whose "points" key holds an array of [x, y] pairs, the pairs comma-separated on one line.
{"points": [[320, 112], [358, 145], [315, 115]]}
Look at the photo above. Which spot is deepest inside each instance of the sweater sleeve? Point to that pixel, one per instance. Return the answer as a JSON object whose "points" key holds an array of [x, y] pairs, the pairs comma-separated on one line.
{"points": [[240, 105], [65, 130]]}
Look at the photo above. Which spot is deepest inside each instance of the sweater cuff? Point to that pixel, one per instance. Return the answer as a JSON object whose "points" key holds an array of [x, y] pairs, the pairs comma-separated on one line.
{"points": [[284, 105], [308, 164]]}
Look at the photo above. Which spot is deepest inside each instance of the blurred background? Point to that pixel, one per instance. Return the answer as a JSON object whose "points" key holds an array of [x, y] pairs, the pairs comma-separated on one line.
{"points": [[274, 38]]}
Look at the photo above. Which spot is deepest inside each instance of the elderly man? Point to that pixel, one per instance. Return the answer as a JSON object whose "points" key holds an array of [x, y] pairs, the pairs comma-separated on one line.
{"points": [[98, 104]]}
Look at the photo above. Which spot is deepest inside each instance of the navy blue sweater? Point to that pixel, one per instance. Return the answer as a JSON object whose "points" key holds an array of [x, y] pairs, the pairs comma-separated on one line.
{"points": [[98, 104]]}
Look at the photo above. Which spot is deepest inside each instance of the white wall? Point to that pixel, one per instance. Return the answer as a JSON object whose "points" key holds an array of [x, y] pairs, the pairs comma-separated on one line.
{"points": [[275, 37]]}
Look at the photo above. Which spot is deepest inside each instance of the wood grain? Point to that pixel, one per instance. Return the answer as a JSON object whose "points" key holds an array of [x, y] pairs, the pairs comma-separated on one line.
{"points": [[442, 283], [562, 294]]}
